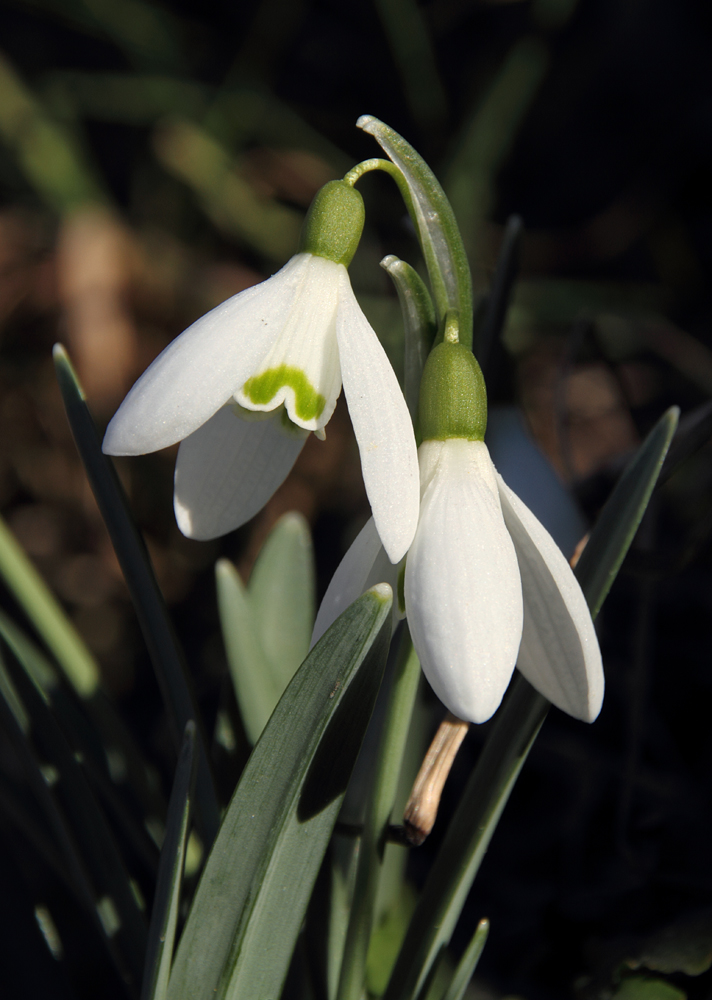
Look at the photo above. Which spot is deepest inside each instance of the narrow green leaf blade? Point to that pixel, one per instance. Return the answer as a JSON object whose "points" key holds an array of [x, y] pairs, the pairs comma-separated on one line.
{"points": [[170, 668], [121, 916], [387, 767], [489, 334], [255, 691], [514, 731], [282, 587], [45, 613], [618, 521], [111, 757], [468, 963], [256, 884], [164, 917]]}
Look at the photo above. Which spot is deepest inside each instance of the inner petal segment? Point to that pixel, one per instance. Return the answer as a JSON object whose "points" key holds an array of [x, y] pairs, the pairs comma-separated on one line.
{"points": [[261, 390]]}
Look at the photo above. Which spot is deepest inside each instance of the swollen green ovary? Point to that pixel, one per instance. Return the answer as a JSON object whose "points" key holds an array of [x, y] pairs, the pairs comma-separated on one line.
{"points": [[261, 390]]}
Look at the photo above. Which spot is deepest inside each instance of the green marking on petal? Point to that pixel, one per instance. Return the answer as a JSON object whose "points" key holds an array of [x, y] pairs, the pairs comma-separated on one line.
{"points": [[261, 389]]}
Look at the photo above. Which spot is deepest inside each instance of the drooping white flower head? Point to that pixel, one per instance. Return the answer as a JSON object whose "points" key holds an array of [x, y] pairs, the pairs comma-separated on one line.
{"points": [[243, 386], [485, 584]]}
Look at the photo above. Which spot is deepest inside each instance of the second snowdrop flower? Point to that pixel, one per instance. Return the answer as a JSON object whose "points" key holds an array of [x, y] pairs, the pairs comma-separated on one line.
{"points": [[486, 587], [244, 385]]}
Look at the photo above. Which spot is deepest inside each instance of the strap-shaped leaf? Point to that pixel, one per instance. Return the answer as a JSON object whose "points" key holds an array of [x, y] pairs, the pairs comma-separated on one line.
{"points": [[44, 611], [104, 743], [116, 902], [488, 336], [468, 963], [438, 232], [164, 916], [389, 759], [256, 692], [514, 731], [167, 660], [282, 592], [257, 881], [619, 519]]}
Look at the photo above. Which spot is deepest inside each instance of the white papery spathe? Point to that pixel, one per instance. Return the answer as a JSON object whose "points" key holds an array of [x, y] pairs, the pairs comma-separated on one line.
{"points": [[485, 586], [307, 319]]}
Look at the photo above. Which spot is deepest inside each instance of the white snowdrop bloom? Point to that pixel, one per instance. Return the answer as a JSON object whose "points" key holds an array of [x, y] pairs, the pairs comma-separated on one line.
{"points": [[244, 385], [486, 587]]}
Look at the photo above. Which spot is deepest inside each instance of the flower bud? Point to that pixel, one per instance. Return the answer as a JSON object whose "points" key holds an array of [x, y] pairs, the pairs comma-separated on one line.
{"points": [[334, 223], [453, 399]]}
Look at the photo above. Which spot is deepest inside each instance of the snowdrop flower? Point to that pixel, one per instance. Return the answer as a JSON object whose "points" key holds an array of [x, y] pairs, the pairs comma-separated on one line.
{"points": [[244, 385], [485, 584]]}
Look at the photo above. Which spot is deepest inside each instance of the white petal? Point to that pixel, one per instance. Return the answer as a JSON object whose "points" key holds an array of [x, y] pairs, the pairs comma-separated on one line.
{"points": [[462, 590], [200, 370], [382, 425], [227, 470], [305, 359], [364, 565], [529, 473], [559, 653]]}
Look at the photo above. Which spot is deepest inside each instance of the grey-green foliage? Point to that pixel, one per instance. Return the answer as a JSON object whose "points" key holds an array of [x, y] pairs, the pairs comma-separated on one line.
{"points": [[514, 731], [164, 915], [268, 624], [257, 881]]}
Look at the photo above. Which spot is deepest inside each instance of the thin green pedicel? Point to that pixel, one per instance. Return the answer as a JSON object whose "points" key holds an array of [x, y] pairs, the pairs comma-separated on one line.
{"points": [[261, 389]]}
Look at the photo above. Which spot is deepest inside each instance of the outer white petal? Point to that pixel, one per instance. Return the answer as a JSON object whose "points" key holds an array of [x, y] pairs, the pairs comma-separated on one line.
{"points": [[200, 370], [308, 344], [559, 653], [227, 470], [462, 590], [382, 425], [364, 565]]}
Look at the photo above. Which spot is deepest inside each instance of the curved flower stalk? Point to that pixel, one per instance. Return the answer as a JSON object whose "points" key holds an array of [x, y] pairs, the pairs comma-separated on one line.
{"points": [[485, 584], [244, 385]]}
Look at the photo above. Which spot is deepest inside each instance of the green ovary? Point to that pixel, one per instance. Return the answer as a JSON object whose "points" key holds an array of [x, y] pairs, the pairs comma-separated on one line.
{"points": [[261, 389]]}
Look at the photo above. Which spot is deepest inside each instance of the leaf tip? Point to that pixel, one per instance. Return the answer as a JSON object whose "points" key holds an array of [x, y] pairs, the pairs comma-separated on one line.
{"points": [[383, 593], [366, 122], [224, 569]]}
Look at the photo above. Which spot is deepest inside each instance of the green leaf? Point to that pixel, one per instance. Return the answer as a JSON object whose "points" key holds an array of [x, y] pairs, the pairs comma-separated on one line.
{"points": [[514, 731], [35, 663], [413, 53], [648, 988], [9, 693], [110, 754], [45, 613], [468, 837], [282, 591], [389, 759], [388, 933], [468, 963], [98, 866], [255, 689], [60, 838], [487, 136], [328, 913], [166, 657], [256, 884], [418, 323], [499, 296], [164, 917], [437, 229], [619, 519], [683, 946]]}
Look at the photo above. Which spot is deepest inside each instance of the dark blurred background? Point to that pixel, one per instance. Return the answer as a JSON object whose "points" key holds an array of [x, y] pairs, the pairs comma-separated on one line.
{"points": [[157, 158]]}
